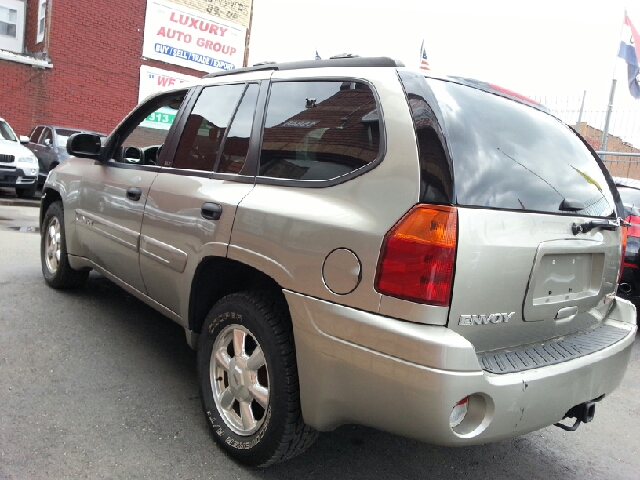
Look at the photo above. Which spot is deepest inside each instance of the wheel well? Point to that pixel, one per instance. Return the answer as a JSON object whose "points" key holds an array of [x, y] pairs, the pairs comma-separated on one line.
{"points": [[49, 195], [217, 277]]}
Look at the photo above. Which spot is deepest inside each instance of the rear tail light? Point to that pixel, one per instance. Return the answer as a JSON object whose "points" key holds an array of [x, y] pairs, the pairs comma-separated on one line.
{"points": [[418, 256], [624, 232], [634, 229]]}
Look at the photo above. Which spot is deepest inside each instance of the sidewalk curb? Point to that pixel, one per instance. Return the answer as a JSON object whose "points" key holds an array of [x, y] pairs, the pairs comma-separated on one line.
{"points": [[20, 203]]}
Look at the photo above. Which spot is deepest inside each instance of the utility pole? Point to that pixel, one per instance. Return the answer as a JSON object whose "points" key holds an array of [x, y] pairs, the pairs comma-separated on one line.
{"points": [[245, 63]]}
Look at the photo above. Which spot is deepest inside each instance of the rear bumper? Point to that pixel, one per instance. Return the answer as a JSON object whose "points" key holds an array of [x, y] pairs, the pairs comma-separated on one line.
{"points": [[357, 367]]}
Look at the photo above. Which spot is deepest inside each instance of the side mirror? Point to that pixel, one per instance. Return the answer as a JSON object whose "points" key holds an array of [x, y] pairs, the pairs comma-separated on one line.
{"points": [[85, 145], [23, 139]]}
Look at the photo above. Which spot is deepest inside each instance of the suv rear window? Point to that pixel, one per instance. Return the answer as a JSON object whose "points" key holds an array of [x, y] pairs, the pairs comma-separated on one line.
{"points": [[511, 156]]}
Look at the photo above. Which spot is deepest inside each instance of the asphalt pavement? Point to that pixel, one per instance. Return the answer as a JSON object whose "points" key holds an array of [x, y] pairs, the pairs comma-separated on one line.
{"points": [[95, 384]]}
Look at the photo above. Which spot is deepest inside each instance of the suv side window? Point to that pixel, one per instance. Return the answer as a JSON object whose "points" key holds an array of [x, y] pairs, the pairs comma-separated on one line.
{"points": [[236, 144], [319, 130], [148, 131], [47, 137], [206, 126], [35, 134]]}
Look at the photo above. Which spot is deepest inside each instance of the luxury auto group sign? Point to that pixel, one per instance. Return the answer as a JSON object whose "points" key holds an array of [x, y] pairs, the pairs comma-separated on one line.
{"points": [[182, 36]]}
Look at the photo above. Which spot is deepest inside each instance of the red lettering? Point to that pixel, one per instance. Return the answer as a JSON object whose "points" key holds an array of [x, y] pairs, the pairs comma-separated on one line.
{"points": [[161, 32]]}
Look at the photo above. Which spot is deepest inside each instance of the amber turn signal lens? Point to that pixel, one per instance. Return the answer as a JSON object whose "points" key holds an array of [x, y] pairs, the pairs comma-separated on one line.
{"points": [[418, 256]]}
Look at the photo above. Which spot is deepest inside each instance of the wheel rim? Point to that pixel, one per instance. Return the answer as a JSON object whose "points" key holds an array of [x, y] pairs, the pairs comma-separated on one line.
{"points": [[52, 245], [239, 379]]}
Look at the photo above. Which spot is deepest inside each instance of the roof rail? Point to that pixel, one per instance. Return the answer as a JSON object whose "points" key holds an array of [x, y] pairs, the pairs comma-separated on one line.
{"points": [[333, 62]]}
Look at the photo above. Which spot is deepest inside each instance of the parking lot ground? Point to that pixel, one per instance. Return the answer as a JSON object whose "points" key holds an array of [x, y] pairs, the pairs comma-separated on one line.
{"points": [[95, 384]]}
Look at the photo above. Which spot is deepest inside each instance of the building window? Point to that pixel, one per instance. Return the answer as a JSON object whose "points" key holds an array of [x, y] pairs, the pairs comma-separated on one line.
{"points": [[12, 25], [42, 15]]}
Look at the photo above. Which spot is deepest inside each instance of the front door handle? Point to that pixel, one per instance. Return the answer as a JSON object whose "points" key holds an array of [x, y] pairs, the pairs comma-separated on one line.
{"points": [[211, 211], [134, 193]]}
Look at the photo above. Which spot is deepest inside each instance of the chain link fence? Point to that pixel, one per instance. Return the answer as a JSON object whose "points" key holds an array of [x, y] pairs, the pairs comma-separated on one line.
{"points": [[622, 153]]}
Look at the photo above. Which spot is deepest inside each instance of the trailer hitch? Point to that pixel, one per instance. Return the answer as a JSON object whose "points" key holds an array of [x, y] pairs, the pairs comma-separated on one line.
{"points": [[583, 413]]}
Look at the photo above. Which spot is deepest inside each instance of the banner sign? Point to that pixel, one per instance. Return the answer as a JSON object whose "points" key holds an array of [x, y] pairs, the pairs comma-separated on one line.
{"points": [[183, 36], [235, 11], [154, 80]]}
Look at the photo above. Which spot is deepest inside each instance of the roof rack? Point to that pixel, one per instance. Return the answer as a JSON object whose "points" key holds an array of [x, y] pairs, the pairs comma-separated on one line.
{"points": [[333, 62]]}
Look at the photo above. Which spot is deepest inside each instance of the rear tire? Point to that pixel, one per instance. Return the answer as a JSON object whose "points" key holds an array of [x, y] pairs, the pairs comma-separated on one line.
{"points": [[248, 379], [53, 252], [27, 192]]}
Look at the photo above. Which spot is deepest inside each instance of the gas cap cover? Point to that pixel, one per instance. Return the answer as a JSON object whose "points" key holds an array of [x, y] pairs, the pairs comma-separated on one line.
{"points": [[341, 271]]}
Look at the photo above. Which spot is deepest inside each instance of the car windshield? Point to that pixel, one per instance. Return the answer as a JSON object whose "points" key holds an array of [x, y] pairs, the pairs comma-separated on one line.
{"points": [[630, 197], [6, 133], [63, 135]]}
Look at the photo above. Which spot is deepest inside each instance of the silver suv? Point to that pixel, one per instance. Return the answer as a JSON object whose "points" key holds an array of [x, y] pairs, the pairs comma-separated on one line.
{"points": [[349, 241]]}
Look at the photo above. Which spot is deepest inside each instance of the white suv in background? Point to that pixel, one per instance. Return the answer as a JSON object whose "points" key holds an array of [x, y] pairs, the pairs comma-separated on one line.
{"points": [[18, 164]]}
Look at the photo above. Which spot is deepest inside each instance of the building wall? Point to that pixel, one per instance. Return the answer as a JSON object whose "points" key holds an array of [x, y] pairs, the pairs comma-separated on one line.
{"points": [[619, 166], [95, 49]]}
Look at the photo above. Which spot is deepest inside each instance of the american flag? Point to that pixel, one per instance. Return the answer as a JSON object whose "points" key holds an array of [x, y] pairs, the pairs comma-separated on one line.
{"points": [[424, 64]]}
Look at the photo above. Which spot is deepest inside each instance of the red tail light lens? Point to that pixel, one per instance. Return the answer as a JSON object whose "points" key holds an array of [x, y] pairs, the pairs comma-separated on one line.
{"points": [[624, 231], [418, 256], [634, 229]]}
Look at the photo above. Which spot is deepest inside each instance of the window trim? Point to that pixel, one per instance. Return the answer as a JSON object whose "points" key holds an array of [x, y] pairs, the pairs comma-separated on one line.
{"points": [[382, 151], [16, 44], [42, 16]]}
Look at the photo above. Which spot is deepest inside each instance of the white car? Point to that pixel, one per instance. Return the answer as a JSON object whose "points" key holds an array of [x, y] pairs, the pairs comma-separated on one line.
{"points": [[18, 164]]}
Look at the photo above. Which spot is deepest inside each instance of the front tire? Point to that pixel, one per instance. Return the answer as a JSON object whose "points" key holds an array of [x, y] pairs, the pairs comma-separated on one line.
{"points": [[53, 252], [248, 379]]}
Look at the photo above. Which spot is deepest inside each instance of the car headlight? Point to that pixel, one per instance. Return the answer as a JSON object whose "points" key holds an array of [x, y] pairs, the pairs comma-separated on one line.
{"points": [[29, 159]]}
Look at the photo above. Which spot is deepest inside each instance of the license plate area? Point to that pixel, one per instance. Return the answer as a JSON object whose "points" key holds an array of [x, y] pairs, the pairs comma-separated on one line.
{"points": [[566, 274]]}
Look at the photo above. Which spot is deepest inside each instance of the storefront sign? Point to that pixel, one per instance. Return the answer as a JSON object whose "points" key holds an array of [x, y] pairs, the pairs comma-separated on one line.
{"points": [[154, 80], [234, 11], [183, 36]]}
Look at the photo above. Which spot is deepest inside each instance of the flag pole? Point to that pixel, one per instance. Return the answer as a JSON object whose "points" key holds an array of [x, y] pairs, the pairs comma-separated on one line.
{"points": [[584, 95], [605, 130]]}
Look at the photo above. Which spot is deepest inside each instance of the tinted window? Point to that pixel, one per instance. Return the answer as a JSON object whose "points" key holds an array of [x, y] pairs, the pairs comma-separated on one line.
{"points": [[511, 156], [151, 124], [436, 182], [35, 134], [236, 145], [319, 130], [47, 137], [205, 128]]}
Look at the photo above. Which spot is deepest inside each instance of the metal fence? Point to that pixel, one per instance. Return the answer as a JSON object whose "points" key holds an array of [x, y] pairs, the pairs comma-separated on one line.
{"points": [[622, 155]]}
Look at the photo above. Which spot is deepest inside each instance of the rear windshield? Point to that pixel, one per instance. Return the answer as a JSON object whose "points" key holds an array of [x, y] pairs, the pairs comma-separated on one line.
{"points": [[510, 156]]}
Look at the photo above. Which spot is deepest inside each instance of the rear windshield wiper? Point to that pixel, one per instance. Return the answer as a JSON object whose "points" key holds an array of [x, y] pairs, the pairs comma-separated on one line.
{"points": [[577, 228]]}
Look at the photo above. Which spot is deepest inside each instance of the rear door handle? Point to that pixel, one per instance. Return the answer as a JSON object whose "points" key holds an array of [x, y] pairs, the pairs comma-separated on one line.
{"points": [[211, 211], [134, 193]]}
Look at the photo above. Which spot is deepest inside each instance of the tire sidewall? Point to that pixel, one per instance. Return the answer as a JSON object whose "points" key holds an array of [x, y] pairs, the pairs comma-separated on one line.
{"points": [[258, 447], [54, 210]]}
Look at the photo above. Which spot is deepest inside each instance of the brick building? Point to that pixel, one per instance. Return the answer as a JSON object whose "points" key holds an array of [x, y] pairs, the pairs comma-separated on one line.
{"points": [[79, 64], [622, 166]]}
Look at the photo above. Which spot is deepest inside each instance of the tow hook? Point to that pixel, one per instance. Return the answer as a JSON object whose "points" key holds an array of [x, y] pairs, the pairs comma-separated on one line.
{"points": [[582, 413]]}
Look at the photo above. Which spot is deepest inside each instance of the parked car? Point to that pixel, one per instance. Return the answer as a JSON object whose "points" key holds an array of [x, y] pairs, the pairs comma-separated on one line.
{"points": [[18, 166], [629, 286], [350, 241], [49, 144]]}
